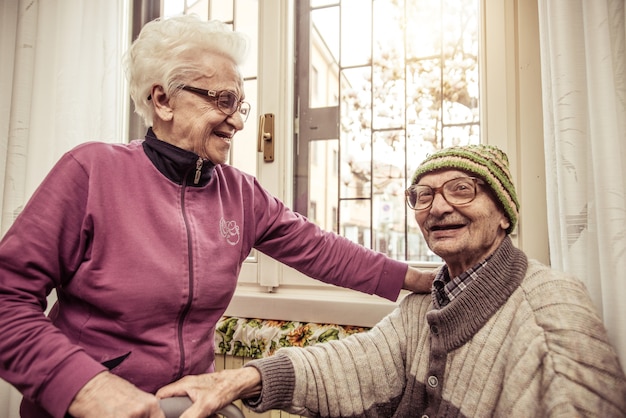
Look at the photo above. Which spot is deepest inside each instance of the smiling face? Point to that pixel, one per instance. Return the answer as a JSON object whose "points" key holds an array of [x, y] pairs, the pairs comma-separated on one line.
{"points": [[462, 235], [195, 123]]}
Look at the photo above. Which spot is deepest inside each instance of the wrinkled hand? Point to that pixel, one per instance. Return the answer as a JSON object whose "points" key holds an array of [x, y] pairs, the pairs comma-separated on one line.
{"points": [[110, 396], [418, 281], [213, 391]]}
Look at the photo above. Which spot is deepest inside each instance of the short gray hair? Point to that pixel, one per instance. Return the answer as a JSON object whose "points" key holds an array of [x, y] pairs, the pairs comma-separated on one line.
{"points": [[160, 55]]}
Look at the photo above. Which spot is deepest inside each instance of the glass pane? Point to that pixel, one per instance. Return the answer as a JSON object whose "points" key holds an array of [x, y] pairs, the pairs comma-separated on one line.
{"points": [[388, 163], [243, 153], [173, 7], [423, 99], [319, 3], [324, 52], [356, 169], [200, 8], [222, 10], [460, 135], [324, 80], [247, 21], [323, 183], [356, 32], [354, 221], [388, 28], [325, 30], [388, 78], [388, 192], [460, 65], [416, 246], [423, 34], [387, 237], [389, 96], [418, 146], [356, 141]]}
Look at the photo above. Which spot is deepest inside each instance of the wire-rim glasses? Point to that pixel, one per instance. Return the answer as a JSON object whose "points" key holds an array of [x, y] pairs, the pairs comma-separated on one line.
{"points": [[457, 191], [227, 101]]}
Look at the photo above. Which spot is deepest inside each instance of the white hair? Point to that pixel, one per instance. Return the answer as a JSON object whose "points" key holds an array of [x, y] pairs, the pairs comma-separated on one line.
{"points": [[160, 55]]}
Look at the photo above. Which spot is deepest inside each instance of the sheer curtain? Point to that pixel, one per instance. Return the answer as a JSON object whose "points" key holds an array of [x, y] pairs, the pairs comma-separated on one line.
{"points": [[583, 62], [62, 84]]}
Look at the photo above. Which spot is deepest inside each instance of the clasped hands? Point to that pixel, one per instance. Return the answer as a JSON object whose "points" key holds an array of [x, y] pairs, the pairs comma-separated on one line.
{"points": [[109, 396]]}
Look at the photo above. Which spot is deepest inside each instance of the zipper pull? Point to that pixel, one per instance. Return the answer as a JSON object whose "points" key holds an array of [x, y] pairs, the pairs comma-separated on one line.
{"points": [[196, 179]]}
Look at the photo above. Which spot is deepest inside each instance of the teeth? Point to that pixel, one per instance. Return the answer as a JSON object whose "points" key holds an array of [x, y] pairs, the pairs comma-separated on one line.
{"points": [[442, 227]]}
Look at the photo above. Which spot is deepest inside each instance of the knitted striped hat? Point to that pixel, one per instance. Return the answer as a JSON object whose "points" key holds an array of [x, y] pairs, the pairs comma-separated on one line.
{"points": [[487, 162]]}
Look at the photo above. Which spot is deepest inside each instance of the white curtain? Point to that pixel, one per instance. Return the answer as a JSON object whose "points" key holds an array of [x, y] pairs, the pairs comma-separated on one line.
{"points": [[61, 84], [583, 61]]}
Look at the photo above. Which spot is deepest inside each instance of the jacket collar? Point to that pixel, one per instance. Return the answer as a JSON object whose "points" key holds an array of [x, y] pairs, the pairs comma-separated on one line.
{"points": [[177, 164]]}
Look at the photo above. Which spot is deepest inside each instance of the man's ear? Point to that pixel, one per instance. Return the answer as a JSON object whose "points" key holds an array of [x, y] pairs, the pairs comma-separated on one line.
{"points": [[161, 103], [505, 223]]}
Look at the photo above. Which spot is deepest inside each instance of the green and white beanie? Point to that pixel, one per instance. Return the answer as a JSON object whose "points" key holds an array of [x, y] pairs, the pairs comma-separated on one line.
{"points": [[485, 161]]}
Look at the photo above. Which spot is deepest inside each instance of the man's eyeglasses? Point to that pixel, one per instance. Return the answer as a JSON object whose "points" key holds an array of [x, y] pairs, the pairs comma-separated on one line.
{"points": [[227, 101], [458, 191]]}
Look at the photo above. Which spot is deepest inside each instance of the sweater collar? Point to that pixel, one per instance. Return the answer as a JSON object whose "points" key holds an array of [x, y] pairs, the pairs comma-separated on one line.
{"points": [[178, 165], [459, 321]]}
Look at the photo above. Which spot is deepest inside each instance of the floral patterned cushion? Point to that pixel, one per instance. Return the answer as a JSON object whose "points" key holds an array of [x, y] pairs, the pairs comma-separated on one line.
{"points": [[257, 338]]}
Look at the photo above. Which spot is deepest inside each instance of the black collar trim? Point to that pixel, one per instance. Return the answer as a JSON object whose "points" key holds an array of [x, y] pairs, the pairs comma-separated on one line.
{"points": [[175, 163]]}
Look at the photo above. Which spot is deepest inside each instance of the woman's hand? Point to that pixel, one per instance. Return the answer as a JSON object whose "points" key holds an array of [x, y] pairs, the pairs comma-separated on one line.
{"points": [[110, 396], [213, 391], [418, 281]]}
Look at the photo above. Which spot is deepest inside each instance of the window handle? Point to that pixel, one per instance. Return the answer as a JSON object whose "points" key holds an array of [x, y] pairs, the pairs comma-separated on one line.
{"points": [[266, 137]]}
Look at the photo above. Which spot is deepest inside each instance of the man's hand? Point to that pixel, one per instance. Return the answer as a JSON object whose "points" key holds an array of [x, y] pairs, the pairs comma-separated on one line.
{"points": [[110, 396], [418, 281], [213, 391]]}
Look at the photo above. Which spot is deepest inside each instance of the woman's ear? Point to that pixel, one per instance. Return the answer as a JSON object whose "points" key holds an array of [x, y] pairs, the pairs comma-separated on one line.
{"points": [[161, 103]]}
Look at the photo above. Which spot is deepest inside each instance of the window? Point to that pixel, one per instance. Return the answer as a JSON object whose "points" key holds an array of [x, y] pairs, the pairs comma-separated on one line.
{"points": [[407, 74]]}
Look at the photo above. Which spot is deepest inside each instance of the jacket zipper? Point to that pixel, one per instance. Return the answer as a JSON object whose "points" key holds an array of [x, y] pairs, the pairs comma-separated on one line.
{"points": [[187, 307], [196, 179]]}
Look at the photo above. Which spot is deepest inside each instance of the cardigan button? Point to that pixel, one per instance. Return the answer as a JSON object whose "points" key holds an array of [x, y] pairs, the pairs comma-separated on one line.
{"points": [[433, 381], [434, 329]]}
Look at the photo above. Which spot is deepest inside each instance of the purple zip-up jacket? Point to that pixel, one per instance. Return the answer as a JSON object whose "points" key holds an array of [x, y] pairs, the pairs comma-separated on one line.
{"points": [[143, 243]]}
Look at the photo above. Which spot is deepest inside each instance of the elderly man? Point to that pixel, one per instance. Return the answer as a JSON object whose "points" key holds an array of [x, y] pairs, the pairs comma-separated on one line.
{"points": [[500, 335]]}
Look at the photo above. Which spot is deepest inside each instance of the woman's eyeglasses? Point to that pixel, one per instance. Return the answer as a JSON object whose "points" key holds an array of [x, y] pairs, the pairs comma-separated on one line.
{"points": [[227, 101], [458, 191]]}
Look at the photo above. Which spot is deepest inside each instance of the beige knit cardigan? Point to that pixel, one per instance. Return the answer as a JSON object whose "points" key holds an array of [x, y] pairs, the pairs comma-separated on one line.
{"points": [[521, 341]]}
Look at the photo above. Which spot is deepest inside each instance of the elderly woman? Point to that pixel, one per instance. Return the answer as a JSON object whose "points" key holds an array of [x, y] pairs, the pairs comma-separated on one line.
{"points": [[500, 335], [143, 242]]}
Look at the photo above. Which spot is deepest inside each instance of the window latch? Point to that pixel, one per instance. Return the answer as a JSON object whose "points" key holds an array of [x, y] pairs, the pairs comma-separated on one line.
{"points": [[266, 137]]}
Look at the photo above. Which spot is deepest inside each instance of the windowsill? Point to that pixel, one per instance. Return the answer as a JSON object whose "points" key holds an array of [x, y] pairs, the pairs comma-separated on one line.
{"points": [[319, 305]]}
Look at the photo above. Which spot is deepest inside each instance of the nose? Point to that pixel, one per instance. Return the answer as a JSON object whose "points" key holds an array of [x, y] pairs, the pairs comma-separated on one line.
{"points": [[236, 121], [440, 205]]}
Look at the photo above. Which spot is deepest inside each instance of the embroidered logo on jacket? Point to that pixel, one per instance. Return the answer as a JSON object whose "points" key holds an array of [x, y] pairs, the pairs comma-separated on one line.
{"points": [[230, 231]]}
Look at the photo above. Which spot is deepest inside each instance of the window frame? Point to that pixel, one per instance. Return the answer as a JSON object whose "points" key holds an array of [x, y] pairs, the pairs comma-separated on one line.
{"points": [[511, 119]]}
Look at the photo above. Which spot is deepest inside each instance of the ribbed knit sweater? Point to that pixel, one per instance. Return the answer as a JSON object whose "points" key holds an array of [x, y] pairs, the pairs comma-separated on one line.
{"points": [[522, 340]]}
